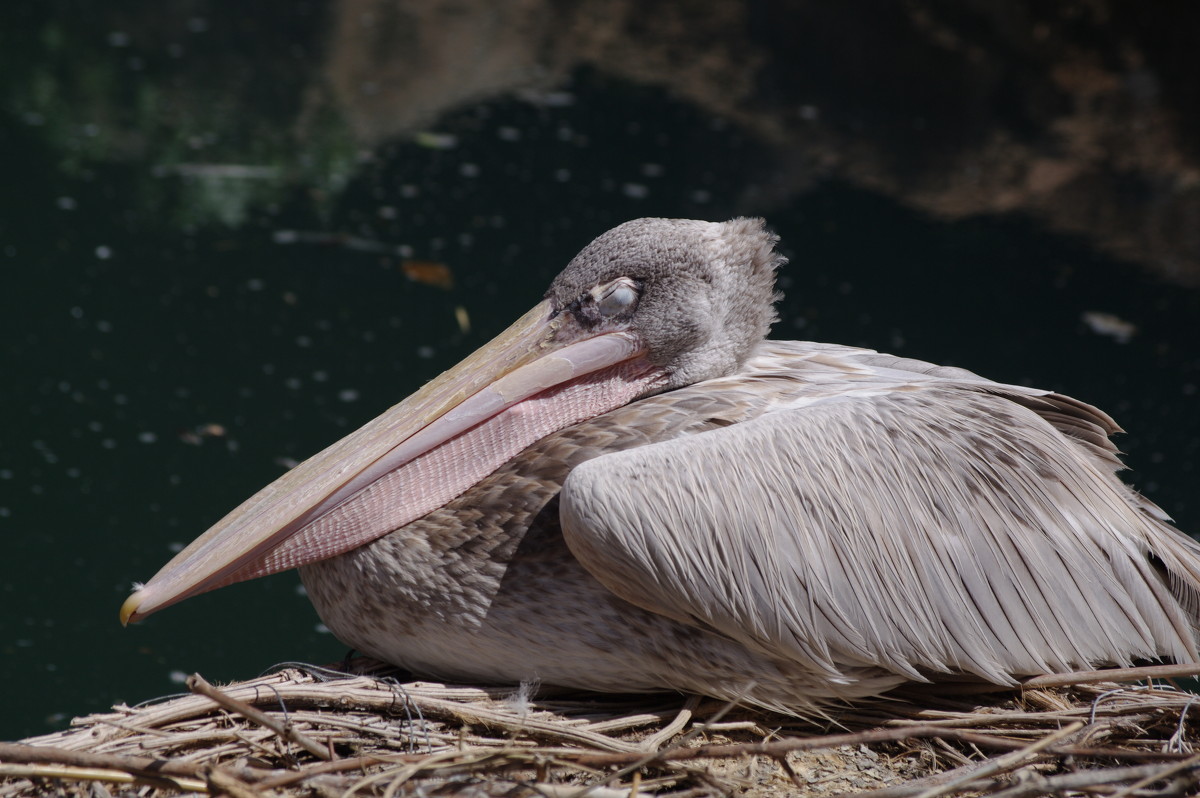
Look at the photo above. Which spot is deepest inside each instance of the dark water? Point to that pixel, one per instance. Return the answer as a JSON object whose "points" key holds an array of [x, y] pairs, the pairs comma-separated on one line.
{"points": [[173, 337]]}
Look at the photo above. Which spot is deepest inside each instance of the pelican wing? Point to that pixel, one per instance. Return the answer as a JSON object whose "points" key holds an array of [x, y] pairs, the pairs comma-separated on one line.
{"points": [[944, 525]]}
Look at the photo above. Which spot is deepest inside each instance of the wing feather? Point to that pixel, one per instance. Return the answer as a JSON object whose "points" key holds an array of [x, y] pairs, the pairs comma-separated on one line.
{"points": [[935, 527]]}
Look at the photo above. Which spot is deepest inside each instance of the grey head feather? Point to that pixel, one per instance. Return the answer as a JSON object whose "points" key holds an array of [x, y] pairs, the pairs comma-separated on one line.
{"points": [[707, 289]]}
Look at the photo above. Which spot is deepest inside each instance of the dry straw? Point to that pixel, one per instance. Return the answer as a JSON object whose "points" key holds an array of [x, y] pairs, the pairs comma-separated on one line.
{"points": [[311, 731]]}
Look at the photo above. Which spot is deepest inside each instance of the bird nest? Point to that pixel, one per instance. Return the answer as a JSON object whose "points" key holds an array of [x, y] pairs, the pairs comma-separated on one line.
{"points": [[360, 731]]}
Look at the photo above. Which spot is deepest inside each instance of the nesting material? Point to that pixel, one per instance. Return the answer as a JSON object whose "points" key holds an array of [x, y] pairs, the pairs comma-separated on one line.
{"points": [[311, 731]]}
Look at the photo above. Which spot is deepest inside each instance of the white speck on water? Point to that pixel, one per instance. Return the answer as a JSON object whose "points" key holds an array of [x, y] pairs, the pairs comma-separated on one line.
{"points": [[425, 352], [301, 590], [547, 99], [175, 547], [701, 196], [321, 629], [104, 327], [5, 512], [320, 376], [74, 473], [197, 24], [469, 170], [77, 312], [6, 473], [635, 190], [147, 437], [1110, 324], [108, 443], [179, 677], [652, 169], [508, 133], [436, 141], [66, 203], [387, 212], [104, 252], [348, 395], [256, 284], [293, 383], [810, 113], [118, 38], [409, 191], [303, 341], [562, 175]]}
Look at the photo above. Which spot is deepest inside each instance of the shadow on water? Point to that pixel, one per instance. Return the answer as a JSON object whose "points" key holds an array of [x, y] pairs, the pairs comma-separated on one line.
{"points": [[217, 261]]}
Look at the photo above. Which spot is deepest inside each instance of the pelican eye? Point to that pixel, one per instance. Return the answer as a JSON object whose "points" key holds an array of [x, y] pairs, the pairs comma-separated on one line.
{"points": [[615, 298]]}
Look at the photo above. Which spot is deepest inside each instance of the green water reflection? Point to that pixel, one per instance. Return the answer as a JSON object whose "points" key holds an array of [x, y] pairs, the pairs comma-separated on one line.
{"points": [[188, 307]]}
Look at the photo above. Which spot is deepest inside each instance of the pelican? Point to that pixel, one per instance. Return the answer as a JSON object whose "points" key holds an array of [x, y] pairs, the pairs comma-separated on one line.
{"points": [[631, 489]]}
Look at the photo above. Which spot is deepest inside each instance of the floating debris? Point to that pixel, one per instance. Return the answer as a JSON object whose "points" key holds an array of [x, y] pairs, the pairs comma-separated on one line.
{"points": [[196, 435], [355, 243], [464, 321], [436, 141], [546, 99], [223, 171], [1110, 324], [428, 272]]}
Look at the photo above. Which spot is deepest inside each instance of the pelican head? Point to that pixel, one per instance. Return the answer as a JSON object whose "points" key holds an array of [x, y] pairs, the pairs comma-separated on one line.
{"points": [[651, 305]]}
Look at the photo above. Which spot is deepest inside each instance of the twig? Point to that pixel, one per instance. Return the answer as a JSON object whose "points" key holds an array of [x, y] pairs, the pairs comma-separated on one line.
{"points": [[48, 771], [1002, 763], [221, 782], [1111, 675], [338, 766], [138, 766], [778, 747], [655, 740], [197, 684], [1161, 773]]}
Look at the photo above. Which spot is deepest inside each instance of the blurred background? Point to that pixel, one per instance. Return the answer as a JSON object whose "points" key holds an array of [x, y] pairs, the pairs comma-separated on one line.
{"points": [[232, 232]]}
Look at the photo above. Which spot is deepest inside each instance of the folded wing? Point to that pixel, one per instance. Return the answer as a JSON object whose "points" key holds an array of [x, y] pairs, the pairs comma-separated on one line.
{"points": [[926, 528]]}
